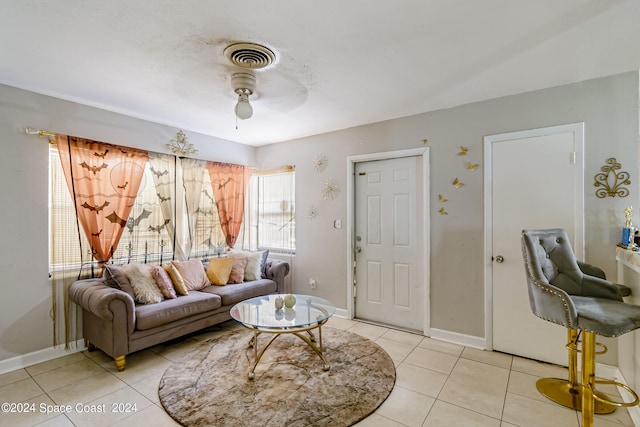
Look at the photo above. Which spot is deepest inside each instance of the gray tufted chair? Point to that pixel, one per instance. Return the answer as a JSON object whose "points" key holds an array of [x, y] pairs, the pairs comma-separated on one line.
{"points": [[560, 292]]}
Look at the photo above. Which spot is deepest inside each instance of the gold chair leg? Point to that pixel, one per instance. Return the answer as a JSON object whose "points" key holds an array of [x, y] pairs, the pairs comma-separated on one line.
{"points": [[588, 377], [568, 393]]}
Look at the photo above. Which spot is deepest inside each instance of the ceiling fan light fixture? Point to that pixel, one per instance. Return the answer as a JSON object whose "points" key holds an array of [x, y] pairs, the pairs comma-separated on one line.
{"points": [[243, 84], [243, 109]]}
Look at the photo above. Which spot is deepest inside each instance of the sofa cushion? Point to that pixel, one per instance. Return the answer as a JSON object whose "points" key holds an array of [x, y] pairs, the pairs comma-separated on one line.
{"points": [[143, 284], [232, 294], [163, 281], [255, 260], [170, 310], [237, 270], [176, 279], [192, 273], [114, 277], [218, 270]]}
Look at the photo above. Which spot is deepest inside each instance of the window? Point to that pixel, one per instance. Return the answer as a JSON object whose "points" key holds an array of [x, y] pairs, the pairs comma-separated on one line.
{"points": [[208, 237], [144, 239], [270, 221]]}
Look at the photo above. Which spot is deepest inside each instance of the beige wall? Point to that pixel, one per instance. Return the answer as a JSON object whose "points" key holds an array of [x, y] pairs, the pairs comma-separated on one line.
{"points": [[608, 106], [25, 325]]}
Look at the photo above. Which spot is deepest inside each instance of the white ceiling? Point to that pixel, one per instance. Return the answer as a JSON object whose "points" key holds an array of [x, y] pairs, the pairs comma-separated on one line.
{"points": [[339, 63]]}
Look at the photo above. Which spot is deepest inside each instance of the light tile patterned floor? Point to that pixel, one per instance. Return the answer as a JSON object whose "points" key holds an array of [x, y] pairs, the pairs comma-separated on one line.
{"points": [[438, 384]]}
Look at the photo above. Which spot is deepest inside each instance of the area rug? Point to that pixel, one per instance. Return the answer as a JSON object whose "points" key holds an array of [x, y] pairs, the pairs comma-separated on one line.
{"points": [[210, 387]]}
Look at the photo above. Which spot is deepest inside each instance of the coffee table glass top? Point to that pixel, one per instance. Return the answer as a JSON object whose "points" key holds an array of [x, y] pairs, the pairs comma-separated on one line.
{"points": [[261, 312]]}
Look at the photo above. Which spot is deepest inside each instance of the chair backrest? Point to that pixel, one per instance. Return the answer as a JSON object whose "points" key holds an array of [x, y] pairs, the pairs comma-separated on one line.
{"points": [[549, 258], [552, 275]]}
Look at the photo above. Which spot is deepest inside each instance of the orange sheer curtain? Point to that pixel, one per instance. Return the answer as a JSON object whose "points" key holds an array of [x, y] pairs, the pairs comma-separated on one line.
{"points": [[229, 183], [103, 180]]}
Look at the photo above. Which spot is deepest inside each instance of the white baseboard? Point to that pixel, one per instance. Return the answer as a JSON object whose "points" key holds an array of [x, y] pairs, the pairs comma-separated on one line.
{"points": [[457, 338], [341, 312], [39, 356]]}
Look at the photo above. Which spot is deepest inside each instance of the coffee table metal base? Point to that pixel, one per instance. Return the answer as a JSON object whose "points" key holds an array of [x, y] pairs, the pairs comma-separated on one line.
{"points": [[303, 332]]}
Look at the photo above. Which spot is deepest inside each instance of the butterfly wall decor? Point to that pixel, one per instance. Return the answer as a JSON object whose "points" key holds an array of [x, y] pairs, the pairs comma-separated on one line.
{"points": [[472, 166]]}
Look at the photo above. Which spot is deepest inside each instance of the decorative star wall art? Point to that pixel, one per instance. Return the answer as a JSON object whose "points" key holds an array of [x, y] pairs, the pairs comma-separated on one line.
{"points": [[312, 212], [330, 190], [320, 163]]}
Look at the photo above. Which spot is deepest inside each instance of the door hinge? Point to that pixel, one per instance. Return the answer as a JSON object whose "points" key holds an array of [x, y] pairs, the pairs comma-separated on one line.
{"points": [[572, 158], [355, 291]]}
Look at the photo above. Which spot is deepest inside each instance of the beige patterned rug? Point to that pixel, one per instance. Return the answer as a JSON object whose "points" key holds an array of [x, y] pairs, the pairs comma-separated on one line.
{"points": [[210, 387]]}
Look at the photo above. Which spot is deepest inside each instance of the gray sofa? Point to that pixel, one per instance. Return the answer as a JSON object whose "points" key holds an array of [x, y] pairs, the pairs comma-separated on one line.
{"points": [[117, 325]]}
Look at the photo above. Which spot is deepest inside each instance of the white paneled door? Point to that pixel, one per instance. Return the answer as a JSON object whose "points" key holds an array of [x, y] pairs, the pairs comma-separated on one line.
{"points": [[535, 182], [389, 247]]}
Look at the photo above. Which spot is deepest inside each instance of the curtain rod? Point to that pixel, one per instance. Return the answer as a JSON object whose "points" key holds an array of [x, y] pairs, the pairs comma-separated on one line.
{"points": [[286, 168], [41, 133]]}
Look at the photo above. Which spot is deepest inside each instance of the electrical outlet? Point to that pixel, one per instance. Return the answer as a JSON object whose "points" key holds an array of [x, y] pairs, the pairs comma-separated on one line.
{"points": [[313, 283]]}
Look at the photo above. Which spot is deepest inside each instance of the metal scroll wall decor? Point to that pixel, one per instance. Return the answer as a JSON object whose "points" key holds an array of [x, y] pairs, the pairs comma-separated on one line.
{"points": [[610, 182]]}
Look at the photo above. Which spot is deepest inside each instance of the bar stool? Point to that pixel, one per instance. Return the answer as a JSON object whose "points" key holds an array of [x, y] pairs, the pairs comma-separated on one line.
{"points": [[561, 293], [568, 392]]}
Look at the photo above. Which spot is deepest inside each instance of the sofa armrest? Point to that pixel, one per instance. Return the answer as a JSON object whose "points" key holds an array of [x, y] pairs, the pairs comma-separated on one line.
{"points": [[276, 270], [101, 300]]}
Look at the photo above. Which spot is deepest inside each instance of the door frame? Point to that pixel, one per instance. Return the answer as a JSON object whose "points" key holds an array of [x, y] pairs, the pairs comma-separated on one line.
{"points": [[422, 152], [578, 231]]}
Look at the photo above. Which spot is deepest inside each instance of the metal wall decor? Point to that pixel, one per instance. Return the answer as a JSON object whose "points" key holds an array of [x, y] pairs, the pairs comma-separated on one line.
{"points": [[181, 146], [320, 163], [610, 181], [312, 212], [330, 190]]}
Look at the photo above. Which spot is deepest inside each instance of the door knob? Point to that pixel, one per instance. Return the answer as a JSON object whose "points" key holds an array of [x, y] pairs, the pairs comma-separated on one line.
{"points": [[499, 259]]}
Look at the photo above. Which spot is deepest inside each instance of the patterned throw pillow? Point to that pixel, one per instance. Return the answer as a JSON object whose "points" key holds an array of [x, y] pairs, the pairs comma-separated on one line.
{"points": [[237, 270], [163, 281], [219, 270], [192, 273]]}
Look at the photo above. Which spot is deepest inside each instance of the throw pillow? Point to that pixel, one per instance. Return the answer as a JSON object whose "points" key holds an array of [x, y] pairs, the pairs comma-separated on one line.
{"points": [[265, 255], [163, 281], [237, 270], [143, 284], [176, 279], [192, 273], [219, 270], [253, 270], [114, 276]]}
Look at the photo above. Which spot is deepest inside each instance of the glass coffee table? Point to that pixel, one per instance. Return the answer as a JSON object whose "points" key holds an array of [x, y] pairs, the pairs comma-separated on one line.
{"points": [[260, 315]]}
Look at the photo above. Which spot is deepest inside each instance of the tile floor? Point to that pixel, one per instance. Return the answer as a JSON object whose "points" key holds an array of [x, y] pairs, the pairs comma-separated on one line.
{"points": [[437, 385]]}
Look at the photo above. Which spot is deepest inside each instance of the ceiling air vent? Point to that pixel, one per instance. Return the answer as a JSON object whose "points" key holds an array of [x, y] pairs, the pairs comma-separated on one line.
{"points": [[249, 55]]}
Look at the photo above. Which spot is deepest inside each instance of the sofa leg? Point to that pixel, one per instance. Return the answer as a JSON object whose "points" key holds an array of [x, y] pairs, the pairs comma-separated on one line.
{"points": [[120, 362]]}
